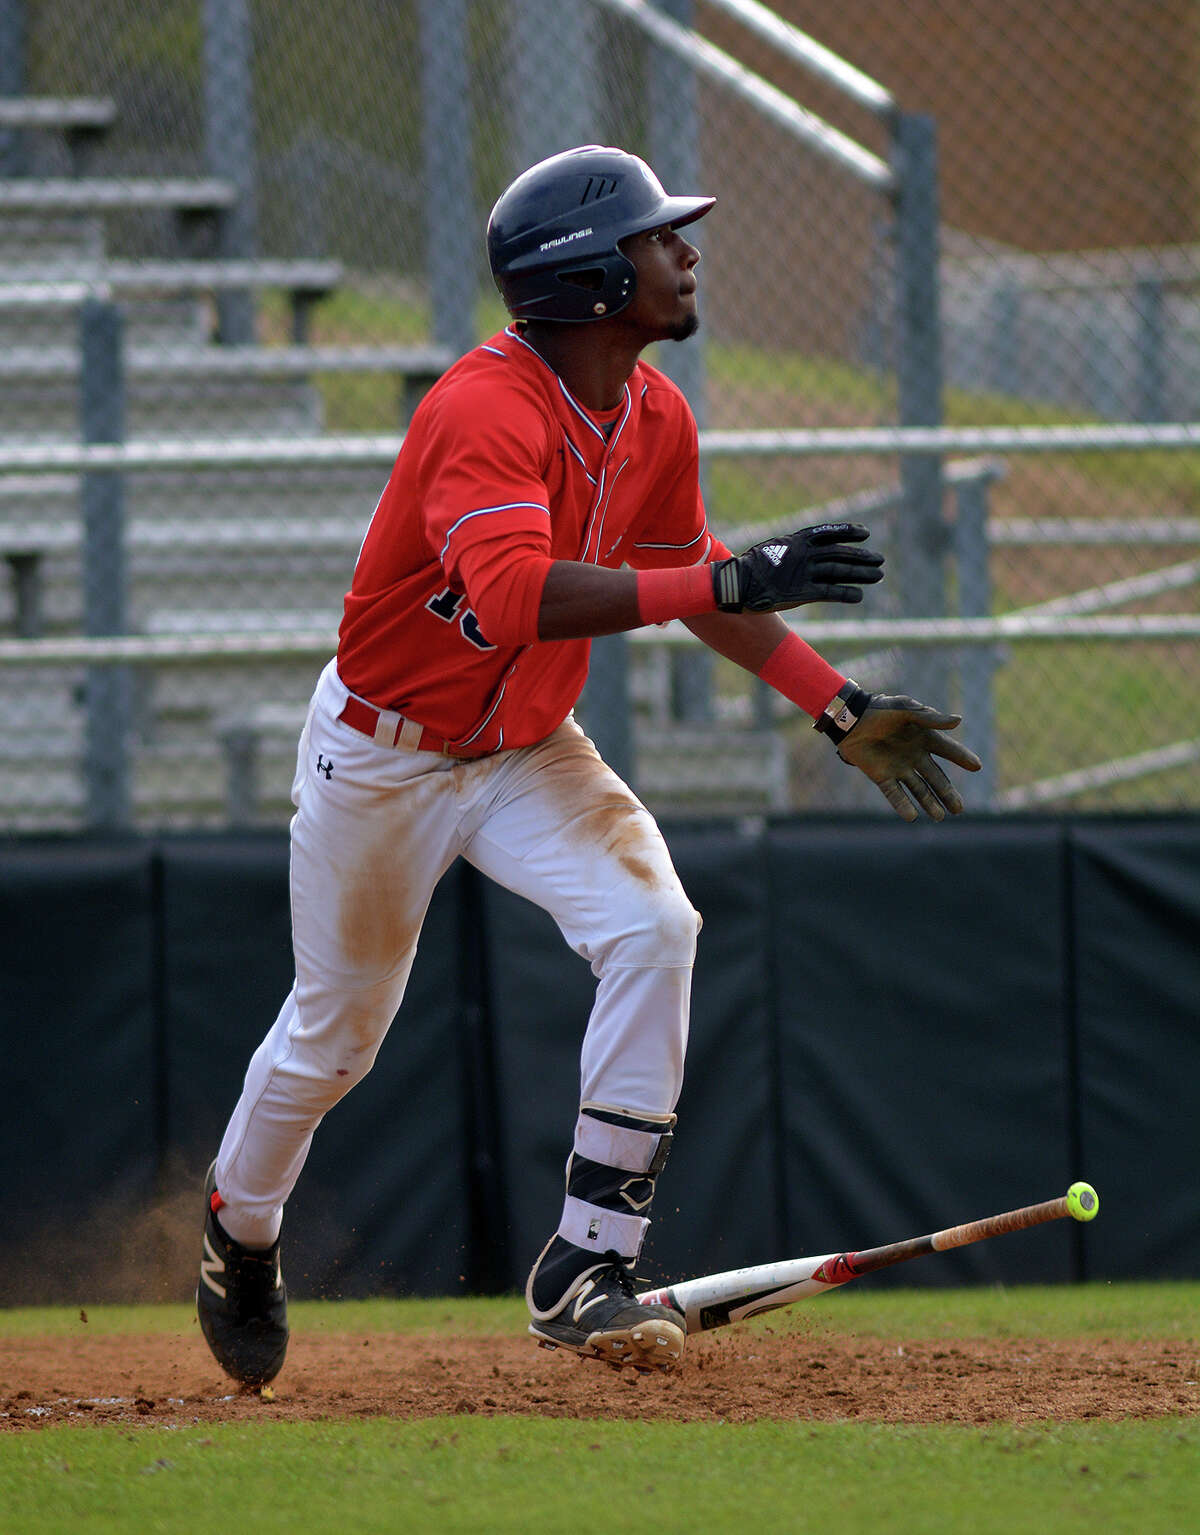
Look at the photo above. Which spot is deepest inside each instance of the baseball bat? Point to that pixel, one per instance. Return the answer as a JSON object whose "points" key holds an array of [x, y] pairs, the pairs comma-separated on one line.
{"points": [[716, 1300]]}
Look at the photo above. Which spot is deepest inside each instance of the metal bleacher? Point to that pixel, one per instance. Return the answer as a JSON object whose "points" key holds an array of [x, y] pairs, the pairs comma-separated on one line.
{"points": [[215, 547], [220, 549]]}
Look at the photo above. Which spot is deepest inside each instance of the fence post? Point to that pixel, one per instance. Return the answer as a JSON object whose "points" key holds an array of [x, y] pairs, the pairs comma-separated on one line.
{"points": [[1003, 330], [919, 379], [12, 82], [553, 100], [1107, 386], [605, 705], [453, 234], [675, 156], [1151, 401], [229, 119], [554, 106], [978, 663], [108, 689]]}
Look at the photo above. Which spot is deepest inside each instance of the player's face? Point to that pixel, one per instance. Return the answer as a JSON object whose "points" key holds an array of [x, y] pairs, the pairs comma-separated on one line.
{"points": [[664, 301]]}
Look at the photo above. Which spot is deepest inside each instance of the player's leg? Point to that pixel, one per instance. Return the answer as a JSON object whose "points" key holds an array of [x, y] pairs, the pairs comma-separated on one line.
{"points": [[373, 833], [561, 829]]}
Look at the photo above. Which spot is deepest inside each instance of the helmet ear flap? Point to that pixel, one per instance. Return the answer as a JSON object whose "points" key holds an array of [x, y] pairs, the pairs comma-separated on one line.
{"points": [[600, 289]]}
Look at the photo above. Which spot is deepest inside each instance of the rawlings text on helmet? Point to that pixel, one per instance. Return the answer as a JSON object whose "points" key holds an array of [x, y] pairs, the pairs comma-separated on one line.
{"points": [[549, 245]]}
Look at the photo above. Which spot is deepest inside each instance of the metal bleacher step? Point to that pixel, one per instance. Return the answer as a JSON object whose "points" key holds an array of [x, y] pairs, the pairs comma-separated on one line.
{"points": [[260, 362], [36, 215], [66, 284], [45, 242], [66, 114], [56, 133], [710, 770], [186, 499], [216, 746], [211, 697], [103, 194], [47, 411], [239, 618], [160, 587], [32, 322], [181, 784], [224, 540], [48, 699]]}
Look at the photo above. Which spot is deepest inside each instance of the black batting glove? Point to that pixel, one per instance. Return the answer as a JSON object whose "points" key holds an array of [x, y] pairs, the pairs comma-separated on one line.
{"points": [[893, 739], [817, 564]]}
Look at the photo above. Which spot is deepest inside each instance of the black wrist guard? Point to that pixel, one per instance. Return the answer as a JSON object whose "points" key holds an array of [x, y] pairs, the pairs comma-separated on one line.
{"points": [[843, 711], [727, 584]]}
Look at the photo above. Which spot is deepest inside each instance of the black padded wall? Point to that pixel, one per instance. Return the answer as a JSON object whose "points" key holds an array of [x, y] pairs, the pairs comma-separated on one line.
{"points": [[894, 1029], [923, 1038]]}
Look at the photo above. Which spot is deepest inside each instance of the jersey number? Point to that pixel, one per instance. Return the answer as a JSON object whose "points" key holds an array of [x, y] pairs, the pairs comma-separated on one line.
{"points": [[448, 606]]}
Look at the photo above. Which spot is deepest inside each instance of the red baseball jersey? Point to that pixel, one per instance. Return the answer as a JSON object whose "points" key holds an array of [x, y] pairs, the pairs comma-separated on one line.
{"points": [[503, 470]]}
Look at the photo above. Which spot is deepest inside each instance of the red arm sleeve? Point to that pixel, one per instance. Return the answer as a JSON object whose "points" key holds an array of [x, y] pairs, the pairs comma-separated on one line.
{"points": [[503, 580], [486, 506]]}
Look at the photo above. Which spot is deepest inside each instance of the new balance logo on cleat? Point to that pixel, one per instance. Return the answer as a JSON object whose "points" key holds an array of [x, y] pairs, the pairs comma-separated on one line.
{"points": [[211, 1265], [603, 1319], [582, 1305]]}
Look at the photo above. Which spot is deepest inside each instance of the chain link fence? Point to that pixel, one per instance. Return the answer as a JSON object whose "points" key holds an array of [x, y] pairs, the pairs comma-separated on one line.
{"points": [[242, 237]]}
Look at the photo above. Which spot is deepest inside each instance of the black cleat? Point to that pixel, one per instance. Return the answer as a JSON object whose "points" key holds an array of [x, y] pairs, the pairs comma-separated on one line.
{"points": [[241, 1300], [601, 1318]]}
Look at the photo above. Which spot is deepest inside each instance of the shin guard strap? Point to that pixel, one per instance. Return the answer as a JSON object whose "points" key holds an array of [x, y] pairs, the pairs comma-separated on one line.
{"points": [[600, 1231], [637, 1143]]}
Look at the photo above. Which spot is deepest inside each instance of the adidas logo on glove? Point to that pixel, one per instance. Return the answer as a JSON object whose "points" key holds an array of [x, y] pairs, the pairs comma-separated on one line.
{"points": [[774, 552]]}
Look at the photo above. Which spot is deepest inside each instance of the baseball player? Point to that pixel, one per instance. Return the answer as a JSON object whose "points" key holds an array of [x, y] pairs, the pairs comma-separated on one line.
{"points": [[547, 491]]}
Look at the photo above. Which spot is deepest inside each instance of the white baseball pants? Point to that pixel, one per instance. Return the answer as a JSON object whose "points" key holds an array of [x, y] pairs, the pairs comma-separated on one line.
{"points": [[375, 828]]}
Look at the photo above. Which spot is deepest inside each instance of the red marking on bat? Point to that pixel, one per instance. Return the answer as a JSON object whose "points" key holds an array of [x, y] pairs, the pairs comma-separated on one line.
{"points": [[837, 1270]]}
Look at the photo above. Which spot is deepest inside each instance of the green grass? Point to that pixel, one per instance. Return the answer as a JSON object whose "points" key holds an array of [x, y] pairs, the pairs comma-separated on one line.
{"points": [[1110, 704], [1151, 1309], [534, 1474]]}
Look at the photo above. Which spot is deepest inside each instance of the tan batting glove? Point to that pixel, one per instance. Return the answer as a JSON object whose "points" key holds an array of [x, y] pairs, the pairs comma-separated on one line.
{"points": [[894, 743]]}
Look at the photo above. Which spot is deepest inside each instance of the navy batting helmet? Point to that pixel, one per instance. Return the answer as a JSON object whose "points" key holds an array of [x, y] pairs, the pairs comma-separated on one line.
{"points": [[553, 237]]}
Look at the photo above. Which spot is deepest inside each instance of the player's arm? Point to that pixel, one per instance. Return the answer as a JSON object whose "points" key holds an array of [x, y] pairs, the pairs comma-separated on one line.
{"points": [[817, 564], [582, 601], [893, 739]]}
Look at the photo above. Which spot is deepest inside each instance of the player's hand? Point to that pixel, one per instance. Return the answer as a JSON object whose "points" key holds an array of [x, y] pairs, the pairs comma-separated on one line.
{"points": [[894, 744], [818, 564]]}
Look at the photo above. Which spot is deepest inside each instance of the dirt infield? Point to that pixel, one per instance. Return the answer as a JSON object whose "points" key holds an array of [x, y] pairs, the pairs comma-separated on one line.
{"points": [[729, 1377]]}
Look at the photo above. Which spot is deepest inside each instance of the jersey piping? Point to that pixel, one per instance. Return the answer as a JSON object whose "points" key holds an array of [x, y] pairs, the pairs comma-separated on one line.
{"points": [[484, 511]]}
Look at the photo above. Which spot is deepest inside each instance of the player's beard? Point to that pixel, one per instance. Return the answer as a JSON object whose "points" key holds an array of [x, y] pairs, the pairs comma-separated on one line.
{"points": [[684, 328]]}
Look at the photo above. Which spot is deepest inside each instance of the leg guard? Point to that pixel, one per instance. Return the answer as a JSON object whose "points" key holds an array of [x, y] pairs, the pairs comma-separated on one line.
{"points": [[611, 1176]]}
